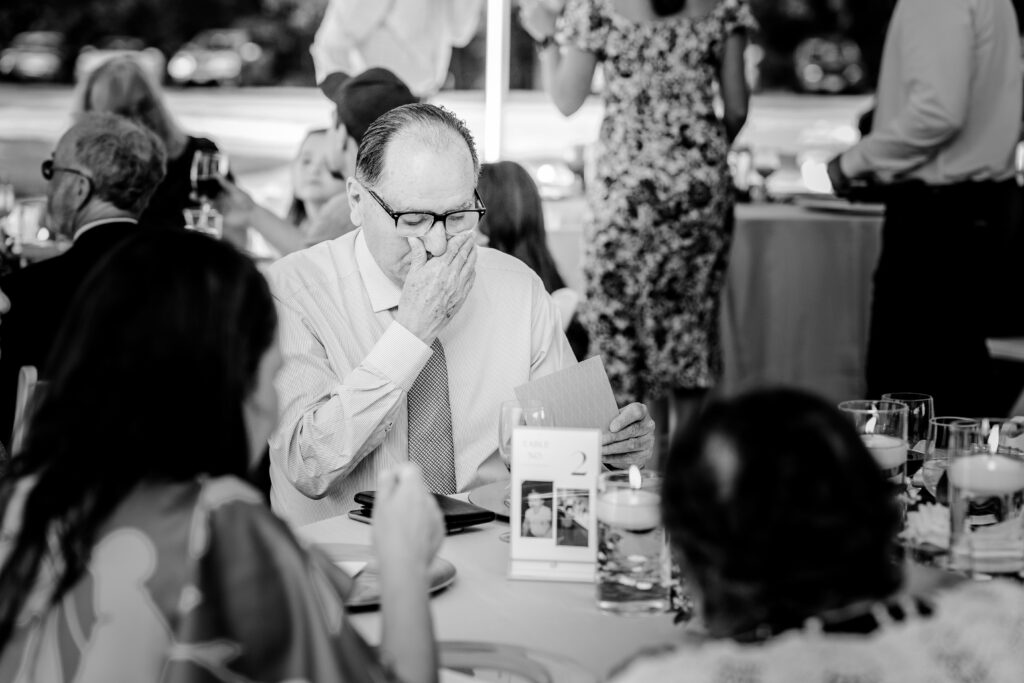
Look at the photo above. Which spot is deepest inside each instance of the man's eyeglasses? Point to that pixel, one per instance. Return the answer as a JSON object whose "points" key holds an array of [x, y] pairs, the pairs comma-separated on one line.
{"points": [[419, 223], [49, 169]]}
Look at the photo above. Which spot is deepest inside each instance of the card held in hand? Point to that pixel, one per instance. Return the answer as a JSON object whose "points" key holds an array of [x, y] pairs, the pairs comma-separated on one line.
{"points": [[579, 396]]}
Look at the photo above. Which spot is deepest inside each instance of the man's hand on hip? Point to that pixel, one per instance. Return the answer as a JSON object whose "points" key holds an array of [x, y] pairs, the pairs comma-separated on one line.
{"points": [[436, 288]]}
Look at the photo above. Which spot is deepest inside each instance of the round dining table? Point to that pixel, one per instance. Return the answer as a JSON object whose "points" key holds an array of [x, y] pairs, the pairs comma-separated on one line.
{"points": [[483, 604]]}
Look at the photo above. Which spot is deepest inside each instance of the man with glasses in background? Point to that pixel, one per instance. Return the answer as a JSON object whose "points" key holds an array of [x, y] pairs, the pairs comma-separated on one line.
{"points": [[402, 339], [99, 179]]}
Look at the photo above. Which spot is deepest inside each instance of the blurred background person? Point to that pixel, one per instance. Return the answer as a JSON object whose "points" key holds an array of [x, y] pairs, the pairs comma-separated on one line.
{"points": [[786, 527], [152, 549], [120, 86], [312, 183], [514, 224], [412, 38], [662, 197], [99, 180]]}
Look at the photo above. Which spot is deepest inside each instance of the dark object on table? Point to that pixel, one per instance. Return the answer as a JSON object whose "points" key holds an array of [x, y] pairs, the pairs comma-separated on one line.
{"points": [[458, 514]]}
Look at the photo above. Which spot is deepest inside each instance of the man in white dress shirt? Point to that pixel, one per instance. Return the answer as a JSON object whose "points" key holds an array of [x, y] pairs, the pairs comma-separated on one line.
{"points": [[402, 339], [941, 150]]}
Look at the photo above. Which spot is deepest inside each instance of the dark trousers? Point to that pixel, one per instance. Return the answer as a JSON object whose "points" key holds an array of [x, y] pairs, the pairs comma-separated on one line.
{"points": [[945, 281]]}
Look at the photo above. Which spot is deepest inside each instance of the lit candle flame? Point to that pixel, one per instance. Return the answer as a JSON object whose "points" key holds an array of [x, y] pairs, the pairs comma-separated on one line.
{"points": [[993, 440], [635, 480], [869, 426]]}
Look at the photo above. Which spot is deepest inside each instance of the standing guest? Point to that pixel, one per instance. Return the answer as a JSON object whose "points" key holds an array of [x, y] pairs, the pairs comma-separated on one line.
{"points": [[661, 202], [120, 86], [358, 100], [154, 552], [785, 527], [402, 339], [100, 177], [515, 225], [941, 148]]}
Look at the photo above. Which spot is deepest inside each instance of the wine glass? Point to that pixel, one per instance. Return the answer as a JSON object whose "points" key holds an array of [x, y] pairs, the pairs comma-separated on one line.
{"points": [[207, 168], [937, 451], [766, 163], [527, 413], [205, 219], [921, 410]]}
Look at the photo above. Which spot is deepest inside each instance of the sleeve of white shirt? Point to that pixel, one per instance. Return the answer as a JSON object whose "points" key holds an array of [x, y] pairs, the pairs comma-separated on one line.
{"points": [[345, 24], [550, 350], [329, 423], [936, 51]]}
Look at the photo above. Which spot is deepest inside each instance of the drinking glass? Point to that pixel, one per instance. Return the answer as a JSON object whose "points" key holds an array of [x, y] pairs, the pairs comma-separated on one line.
{"points": [[205, 219], [882, 426], [920, 410], [528, 413], [986, 496], [207, 168], [634, 565], [936, 458], [766, 163]]}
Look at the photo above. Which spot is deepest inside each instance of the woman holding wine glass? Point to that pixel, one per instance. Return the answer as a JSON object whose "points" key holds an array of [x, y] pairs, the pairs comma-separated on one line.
{"points": [[120, 86]]}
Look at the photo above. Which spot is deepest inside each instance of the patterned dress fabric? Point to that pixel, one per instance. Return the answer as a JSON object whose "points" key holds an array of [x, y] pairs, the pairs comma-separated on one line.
{"points": [[189, 583], [975, 635], [661, 201], [430, 423]]}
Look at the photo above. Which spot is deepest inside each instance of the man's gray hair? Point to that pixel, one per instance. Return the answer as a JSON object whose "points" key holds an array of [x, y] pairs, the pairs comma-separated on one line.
{"points": [[125, 160], [433, 120]]}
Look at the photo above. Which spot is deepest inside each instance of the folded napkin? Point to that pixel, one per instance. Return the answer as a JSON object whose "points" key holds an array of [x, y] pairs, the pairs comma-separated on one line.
{"points": [[927, 525]]}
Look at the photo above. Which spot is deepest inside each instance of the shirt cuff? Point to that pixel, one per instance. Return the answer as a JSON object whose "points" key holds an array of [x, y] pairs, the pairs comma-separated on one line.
{"points": [[398, 355]]}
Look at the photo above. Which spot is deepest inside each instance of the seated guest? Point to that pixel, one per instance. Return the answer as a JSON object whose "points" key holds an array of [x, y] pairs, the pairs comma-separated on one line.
{"points": [[402, 339], [785, 527], [312, 183], [127, 521], [515, 225], [358, 100], [120, 86], [100, 177]]}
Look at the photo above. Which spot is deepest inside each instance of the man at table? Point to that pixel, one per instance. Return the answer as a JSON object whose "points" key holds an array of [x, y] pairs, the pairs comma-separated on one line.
{"points": [[941, 146], [99, 179], [402, 339]]}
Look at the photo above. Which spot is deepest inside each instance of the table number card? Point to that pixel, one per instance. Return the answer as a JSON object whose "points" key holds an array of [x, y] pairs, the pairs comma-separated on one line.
{"points": [[553, 501]]}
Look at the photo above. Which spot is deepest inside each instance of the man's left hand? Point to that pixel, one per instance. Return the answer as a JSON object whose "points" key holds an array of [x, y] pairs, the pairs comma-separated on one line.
{"points": [[629, 439]]}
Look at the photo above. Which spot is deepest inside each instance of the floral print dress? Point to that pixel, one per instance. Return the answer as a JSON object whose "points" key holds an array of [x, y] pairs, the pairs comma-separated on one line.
{"points": [[661, 201]]}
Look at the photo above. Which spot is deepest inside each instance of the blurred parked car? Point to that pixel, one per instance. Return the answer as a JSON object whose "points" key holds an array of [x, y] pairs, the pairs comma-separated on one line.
{"points": [[826, 64], [34, 56], [227, 56], [151, 59]]}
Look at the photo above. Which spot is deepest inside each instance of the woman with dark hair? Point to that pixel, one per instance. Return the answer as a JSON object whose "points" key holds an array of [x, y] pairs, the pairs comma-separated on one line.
{"points": [[131, 547], [786, 528], [514, 224], [661, 201], [120, 86]]}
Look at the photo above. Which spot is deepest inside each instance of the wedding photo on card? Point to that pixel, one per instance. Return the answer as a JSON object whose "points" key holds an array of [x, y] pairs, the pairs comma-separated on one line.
{"points": [[554, 478]]}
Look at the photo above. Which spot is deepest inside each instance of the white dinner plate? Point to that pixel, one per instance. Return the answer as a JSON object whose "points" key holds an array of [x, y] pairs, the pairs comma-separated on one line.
{"points": [[366, 591], [511, 663], [492, 497], [837, 205]]}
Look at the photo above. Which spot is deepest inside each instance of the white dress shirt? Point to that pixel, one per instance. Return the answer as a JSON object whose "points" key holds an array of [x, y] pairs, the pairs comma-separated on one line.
{"points": [[348, 367], [949, 95]]}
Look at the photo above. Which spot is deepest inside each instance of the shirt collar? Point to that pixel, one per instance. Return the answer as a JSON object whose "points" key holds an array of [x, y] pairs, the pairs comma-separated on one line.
{"points": [[383, 292], [103, 221]]}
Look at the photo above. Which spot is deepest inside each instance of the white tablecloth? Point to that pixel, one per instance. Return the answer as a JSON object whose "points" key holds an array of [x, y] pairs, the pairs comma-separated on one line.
{"points": [[484, 605]]}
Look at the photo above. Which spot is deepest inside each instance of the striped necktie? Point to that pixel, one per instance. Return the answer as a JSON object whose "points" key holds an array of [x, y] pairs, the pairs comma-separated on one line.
{"points": [[430, 423]]}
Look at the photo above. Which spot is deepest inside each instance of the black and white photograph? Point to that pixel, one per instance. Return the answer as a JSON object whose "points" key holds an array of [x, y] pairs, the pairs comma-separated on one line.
{"points": [[572, 517], [536, 513]]}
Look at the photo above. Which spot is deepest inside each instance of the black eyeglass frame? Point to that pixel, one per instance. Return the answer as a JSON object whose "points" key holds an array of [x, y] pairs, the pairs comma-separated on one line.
{"points": [[480, 210]]}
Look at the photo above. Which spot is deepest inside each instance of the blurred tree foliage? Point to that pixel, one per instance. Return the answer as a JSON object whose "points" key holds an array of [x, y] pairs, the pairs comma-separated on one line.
{"points": [[287, 24]]}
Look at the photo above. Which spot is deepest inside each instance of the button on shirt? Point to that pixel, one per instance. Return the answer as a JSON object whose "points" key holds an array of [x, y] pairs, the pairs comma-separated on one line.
{"points": [[949, 95], [349, 366]]}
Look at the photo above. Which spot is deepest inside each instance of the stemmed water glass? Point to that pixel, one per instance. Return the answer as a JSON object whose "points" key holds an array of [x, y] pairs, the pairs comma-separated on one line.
{"points": [[526, 413], [937, 452], [920, 411], [766, 163]]}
